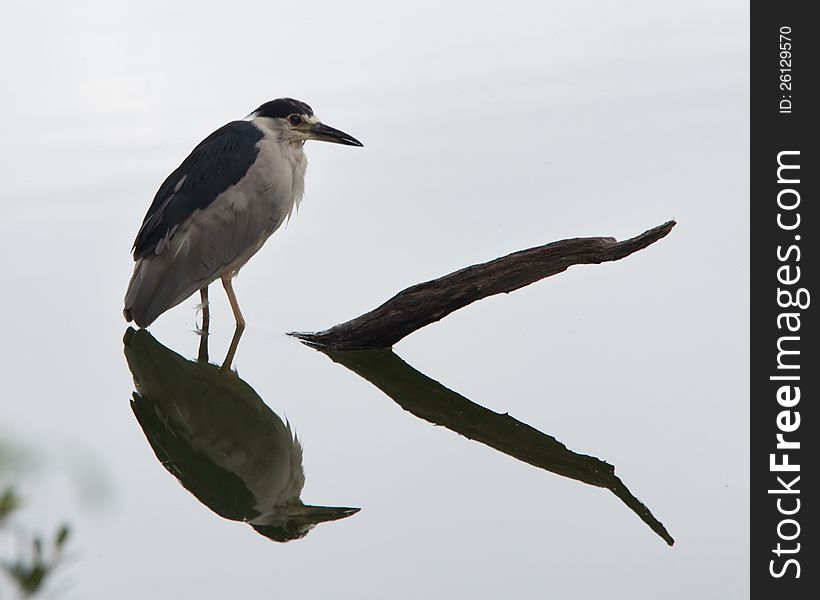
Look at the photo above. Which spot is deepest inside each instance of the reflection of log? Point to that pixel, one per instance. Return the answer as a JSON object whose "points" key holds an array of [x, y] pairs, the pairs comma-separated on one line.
{"points": [[428, 302], [431, 401]]}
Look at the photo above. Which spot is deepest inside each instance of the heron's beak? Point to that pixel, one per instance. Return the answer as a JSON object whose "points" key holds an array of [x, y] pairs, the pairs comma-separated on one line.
{"points": [[321, 514], [324, 133]]}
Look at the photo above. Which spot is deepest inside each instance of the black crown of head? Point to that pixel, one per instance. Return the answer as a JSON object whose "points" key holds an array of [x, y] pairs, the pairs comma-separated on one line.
{"points": [[283, 107]]}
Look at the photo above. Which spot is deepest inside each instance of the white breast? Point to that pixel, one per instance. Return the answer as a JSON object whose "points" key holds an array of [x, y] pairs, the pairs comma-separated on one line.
{"points": [[271, 190], [284, 164]]}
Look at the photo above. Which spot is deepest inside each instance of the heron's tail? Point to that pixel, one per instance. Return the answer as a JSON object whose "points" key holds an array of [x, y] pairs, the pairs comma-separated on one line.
{"points": [[151, 291], [139, 297]]}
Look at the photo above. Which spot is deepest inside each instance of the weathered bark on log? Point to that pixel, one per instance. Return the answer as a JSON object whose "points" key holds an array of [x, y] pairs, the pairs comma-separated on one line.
{"points": [[431, 301]]}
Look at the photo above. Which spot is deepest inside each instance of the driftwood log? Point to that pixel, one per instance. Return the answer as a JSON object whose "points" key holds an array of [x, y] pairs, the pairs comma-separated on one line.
{"points": [[431, 301], [363, 346]]}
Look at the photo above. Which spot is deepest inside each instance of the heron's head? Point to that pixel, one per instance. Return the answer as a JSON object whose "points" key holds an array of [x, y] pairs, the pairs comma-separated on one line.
{"points": [[294, 122], [295, 521]]}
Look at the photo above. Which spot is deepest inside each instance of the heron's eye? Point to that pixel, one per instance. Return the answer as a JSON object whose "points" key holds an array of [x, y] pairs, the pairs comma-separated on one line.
{"points": [[295, 120]]}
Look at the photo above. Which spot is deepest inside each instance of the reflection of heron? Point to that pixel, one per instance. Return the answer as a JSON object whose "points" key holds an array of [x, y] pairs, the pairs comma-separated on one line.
{"points": [[214, 433]]}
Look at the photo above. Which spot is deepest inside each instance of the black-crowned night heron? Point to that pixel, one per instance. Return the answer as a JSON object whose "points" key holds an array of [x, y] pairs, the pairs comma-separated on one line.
{"points": [[213, 432], [215, 211]]}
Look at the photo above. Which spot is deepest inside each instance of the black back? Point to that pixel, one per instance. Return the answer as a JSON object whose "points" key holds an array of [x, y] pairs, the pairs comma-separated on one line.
{"points": [[218, 162], [218, 489]]}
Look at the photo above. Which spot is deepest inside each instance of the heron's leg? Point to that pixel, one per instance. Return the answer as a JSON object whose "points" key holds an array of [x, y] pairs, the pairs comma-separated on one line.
{"points": [[226, 283], [226, 364], [203, 347], [206, 323], [206, 311]]}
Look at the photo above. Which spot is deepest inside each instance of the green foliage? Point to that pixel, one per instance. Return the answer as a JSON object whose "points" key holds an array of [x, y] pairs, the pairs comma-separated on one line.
{"points": [[9, 502], [29, 573], [62, 535]]}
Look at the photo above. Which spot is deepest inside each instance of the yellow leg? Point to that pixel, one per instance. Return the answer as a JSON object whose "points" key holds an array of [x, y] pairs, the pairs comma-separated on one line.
{"points": [[226, 283]]}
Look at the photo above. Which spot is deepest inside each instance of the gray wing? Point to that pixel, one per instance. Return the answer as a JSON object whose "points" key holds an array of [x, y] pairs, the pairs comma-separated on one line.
{"points": [[217, 163]]}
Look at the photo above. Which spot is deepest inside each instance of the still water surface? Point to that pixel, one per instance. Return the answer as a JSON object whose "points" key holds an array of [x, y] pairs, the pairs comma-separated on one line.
{"points": [[480, 452]]}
